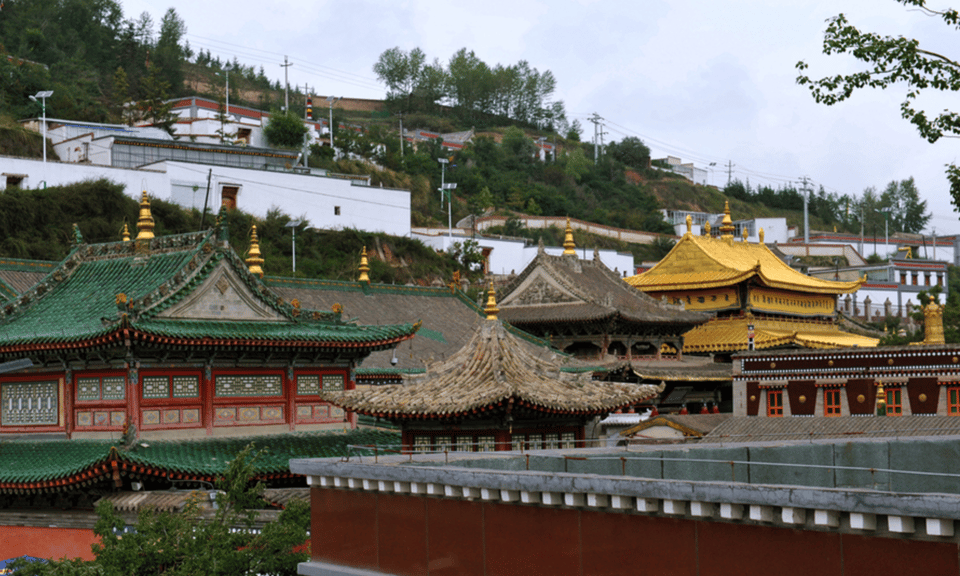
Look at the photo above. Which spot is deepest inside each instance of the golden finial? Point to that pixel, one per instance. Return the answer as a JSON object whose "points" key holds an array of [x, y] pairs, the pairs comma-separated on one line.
{"points": [[744, 233], [364, 268], [881, 399], [761, 235], [706, 228], [254, 260], [125, 235], [491, 307], [726, 227], [689, 224], [569, 247], [145, 222]]}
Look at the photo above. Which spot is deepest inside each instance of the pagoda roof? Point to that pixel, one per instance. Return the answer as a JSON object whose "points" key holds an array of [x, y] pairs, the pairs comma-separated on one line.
{"points": [[448, 316], [494, 370], [188, 289], [64, 465], [562, 289], [699, 262], [730, 335]]}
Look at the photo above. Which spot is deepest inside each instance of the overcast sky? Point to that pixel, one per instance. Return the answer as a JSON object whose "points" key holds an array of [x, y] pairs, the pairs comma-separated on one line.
{"points": [[704, 80]]}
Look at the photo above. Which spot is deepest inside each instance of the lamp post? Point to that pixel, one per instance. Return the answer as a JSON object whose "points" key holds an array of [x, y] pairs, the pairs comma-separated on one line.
{"points": [[332, 101], [444, 190], [43, 95], [886, 230], [293, 229]]}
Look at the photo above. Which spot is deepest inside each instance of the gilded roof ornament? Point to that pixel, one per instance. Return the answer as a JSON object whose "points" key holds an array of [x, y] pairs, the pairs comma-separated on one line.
{"points": [[726, 227], [491, 307], [761, 235], [254, 260], [689, 224], [706, 228], [569, 247], [125, 233], [933, 323], [744, 233], [145, 223], [364, 267]]}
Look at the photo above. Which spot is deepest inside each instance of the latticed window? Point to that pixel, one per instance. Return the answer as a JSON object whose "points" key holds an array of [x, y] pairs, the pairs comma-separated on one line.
{"points": [[443, 444], [421, 444], [464, 444], [248, 385], [171, 387], [29, 403], [775, 403], [517, 441], [568, 440], [552, 441], [100, 388], [831, 402], [894, 403], [953, 401], [308, 385], [486, 444]]}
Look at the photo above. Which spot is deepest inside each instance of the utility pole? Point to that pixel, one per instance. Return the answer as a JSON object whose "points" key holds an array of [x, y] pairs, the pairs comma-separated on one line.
{"points": [[806, 215], [401, 133], [730, 166], [596, 133], [286, 85]]}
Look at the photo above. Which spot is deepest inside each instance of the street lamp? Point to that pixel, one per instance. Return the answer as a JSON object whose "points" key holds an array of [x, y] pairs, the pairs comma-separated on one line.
{"points": [[293, 229], [444, 190], [886, 229], [332, 101], [227, 72], [43, 95]]}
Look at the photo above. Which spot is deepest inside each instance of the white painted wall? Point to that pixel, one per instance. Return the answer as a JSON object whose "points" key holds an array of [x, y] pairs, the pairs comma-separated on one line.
{"points": [[512, 256], [300, 195]]}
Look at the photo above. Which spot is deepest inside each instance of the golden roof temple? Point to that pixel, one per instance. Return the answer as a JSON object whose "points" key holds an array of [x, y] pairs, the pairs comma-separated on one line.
{"points": [[743, 285]]}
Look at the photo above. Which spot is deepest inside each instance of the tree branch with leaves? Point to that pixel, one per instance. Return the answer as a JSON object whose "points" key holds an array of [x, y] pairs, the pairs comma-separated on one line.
{"points": [[894, 60]]}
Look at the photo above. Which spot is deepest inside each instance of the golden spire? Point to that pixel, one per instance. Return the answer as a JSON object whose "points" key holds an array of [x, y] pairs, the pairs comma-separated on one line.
{"points": [[744, 233], [761, 235], [726, 227], [706, 228], [491, 307], [364, 268], [254, 260], [689, 224], [145, 222], [125, 234], [569, 247]]}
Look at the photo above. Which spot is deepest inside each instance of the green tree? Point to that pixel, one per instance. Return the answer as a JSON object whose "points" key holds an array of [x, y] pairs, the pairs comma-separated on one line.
{"points": [[575, 131], [285, 130], [195, 541], [631, 151], [170, 54], [893, 60], [908, 213]]}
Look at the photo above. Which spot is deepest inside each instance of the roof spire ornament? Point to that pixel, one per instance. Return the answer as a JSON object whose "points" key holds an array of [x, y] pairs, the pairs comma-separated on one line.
{"points": [[706, 228], [726, 227], [761, 235], [254, 260], [689, 225], [569, 247], [491, 307], [145, 223], [125, 233], [364, 267]]}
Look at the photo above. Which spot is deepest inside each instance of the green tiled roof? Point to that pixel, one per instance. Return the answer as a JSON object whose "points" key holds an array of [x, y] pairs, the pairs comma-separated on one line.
{"points": [[79, 299], [31, 462]]}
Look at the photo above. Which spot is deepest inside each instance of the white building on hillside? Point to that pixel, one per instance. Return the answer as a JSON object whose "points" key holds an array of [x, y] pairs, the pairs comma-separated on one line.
{"points": [[194, 175]]}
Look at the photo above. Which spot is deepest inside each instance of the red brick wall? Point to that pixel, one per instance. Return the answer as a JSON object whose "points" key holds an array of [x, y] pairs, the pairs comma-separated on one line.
{"points": [[413, 535], [51, 543]]}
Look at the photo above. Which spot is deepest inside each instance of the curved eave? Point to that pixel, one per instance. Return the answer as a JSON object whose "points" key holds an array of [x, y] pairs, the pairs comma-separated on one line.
{"points": [[827, 286], [120, 335], [481, 411], [663, 283]]}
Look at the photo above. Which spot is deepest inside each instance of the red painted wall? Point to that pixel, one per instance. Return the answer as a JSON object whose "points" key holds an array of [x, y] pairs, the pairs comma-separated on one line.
{"points": [[413, 535], [51, 543]]}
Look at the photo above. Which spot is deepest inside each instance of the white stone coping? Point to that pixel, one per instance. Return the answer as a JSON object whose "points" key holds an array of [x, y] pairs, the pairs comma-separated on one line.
{"points": [[930, 515]]}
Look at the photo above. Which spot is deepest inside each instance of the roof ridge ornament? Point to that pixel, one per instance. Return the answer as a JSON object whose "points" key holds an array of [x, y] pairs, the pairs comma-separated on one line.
{"points": [[125, 233], [491, 307], [77, 236], [145, 223], [364, 267], [254, 260], [689, 225], [569, 246], [761, 236], [726, 226]]}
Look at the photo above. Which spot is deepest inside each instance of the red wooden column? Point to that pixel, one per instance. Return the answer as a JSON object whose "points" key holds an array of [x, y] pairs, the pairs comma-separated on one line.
{"points": [[206, 398], [133, 395], [290, 389]]}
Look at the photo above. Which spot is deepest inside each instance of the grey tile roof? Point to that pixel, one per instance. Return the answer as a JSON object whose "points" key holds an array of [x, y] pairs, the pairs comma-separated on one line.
{"points": [[765, 429]]}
